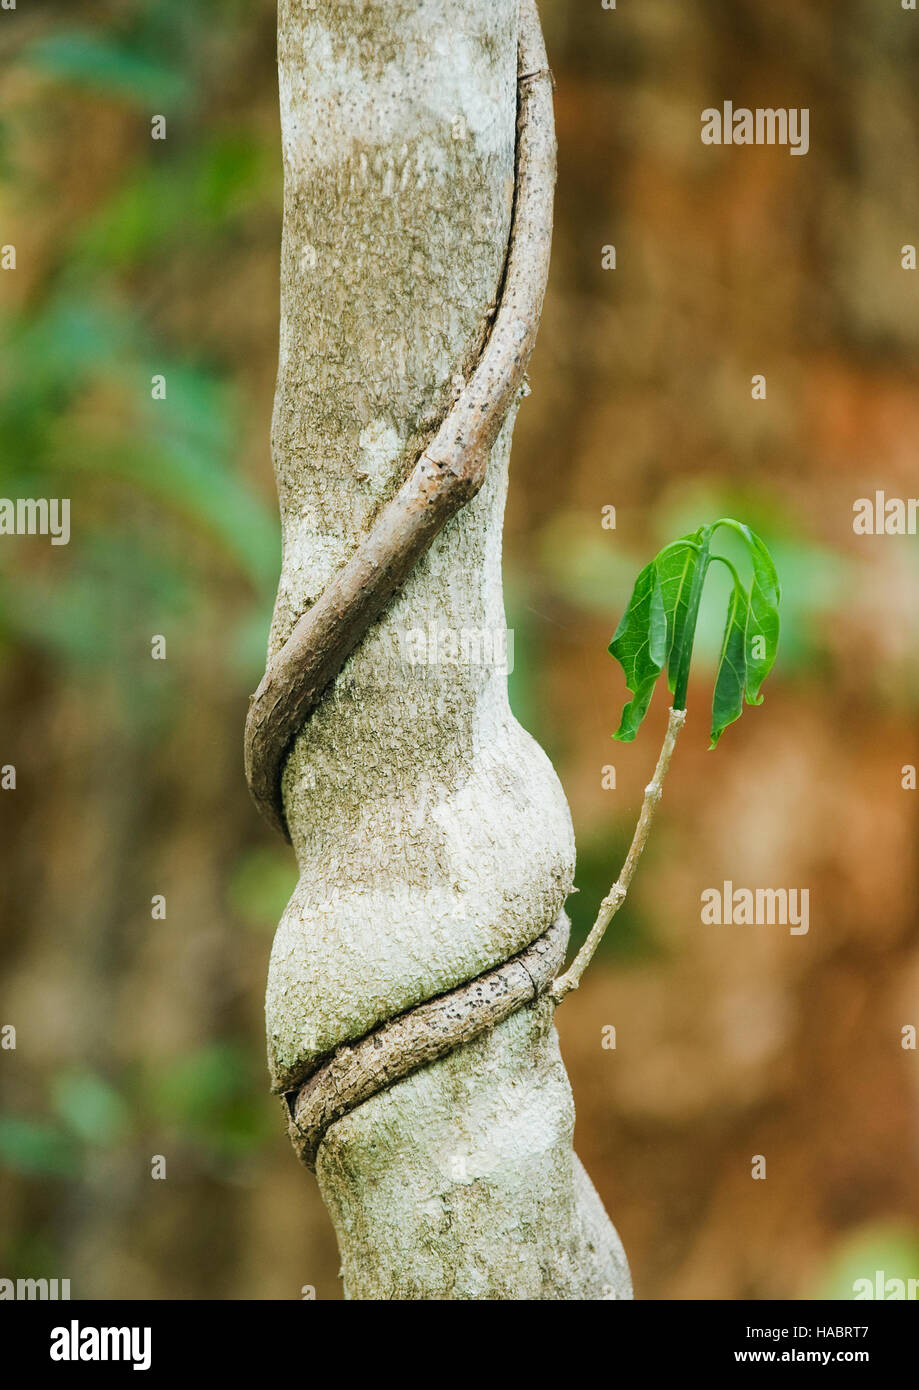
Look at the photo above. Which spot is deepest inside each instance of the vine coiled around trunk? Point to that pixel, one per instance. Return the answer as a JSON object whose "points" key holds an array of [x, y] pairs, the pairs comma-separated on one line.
{"points": [[446, 475]]}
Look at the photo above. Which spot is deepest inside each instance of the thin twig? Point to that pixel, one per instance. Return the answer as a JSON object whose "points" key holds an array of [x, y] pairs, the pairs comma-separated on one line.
{"points": [[616, 895]]}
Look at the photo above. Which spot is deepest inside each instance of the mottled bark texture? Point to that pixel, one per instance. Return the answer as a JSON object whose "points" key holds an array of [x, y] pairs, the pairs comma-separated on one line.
{"points": [[448, 472], [432, 836]]}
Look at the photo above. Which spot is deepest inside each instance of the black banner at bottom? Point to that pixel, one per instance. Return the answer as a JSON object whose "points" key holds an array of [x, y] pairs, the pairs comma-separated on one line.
{"points": [[158, 1339]]}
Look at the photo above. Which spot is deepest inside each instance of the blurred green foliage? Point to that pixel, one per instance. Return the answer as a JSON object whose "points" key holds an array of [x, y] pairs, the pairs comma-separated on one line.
{"points": [[164, 522], [36, 1148], [211, 1097], [195, 200], [888, 1246], [90, 1106], [121, 69], [156, 490], [207, 1101], [261, 883]]}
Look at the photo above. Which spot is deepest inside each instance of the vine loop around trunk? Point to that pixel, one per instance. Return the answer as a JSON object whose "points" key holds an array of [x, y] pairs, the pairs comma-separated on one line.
{"points": [[356, 1071], [446, 475]]}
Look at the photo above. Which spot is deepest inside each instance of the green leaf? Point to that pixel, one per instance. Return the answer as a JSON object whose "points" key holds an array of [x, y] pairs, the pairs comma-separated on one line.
{"points": [[730, 682], [659, 628], [763, 620], [677, 566], [640, 646]]}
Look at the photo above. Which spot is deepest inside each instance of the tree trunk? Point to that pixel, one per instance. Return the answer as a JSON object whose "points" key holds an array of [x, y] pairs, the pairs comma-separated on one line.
{"points": [[433, 839]]}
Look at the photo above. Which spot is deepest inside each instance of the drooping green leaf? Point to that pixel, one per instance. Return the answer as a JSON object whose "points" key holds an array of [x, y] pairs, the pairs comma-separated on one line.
{"points": [[659, 626], [640, 646], [763, 619], [676, 569], [731, 678]]}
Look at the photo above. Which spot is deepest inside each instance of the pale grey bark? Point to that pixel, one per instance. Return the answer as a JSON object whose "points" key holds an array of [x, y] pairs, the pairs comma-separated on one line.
{"points": [[432, 836]]}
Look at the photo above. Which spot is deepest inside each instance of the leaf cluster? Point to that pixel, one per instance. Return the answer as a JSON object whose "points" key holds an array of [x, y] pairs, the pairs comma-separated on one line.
{"points": [[658, 628]]}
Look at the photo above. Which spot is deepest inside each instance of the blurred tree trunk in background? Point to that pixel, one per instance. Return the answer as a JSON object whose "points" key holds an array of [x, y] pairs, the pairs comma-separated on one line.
{"points": [[433, 838]]}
